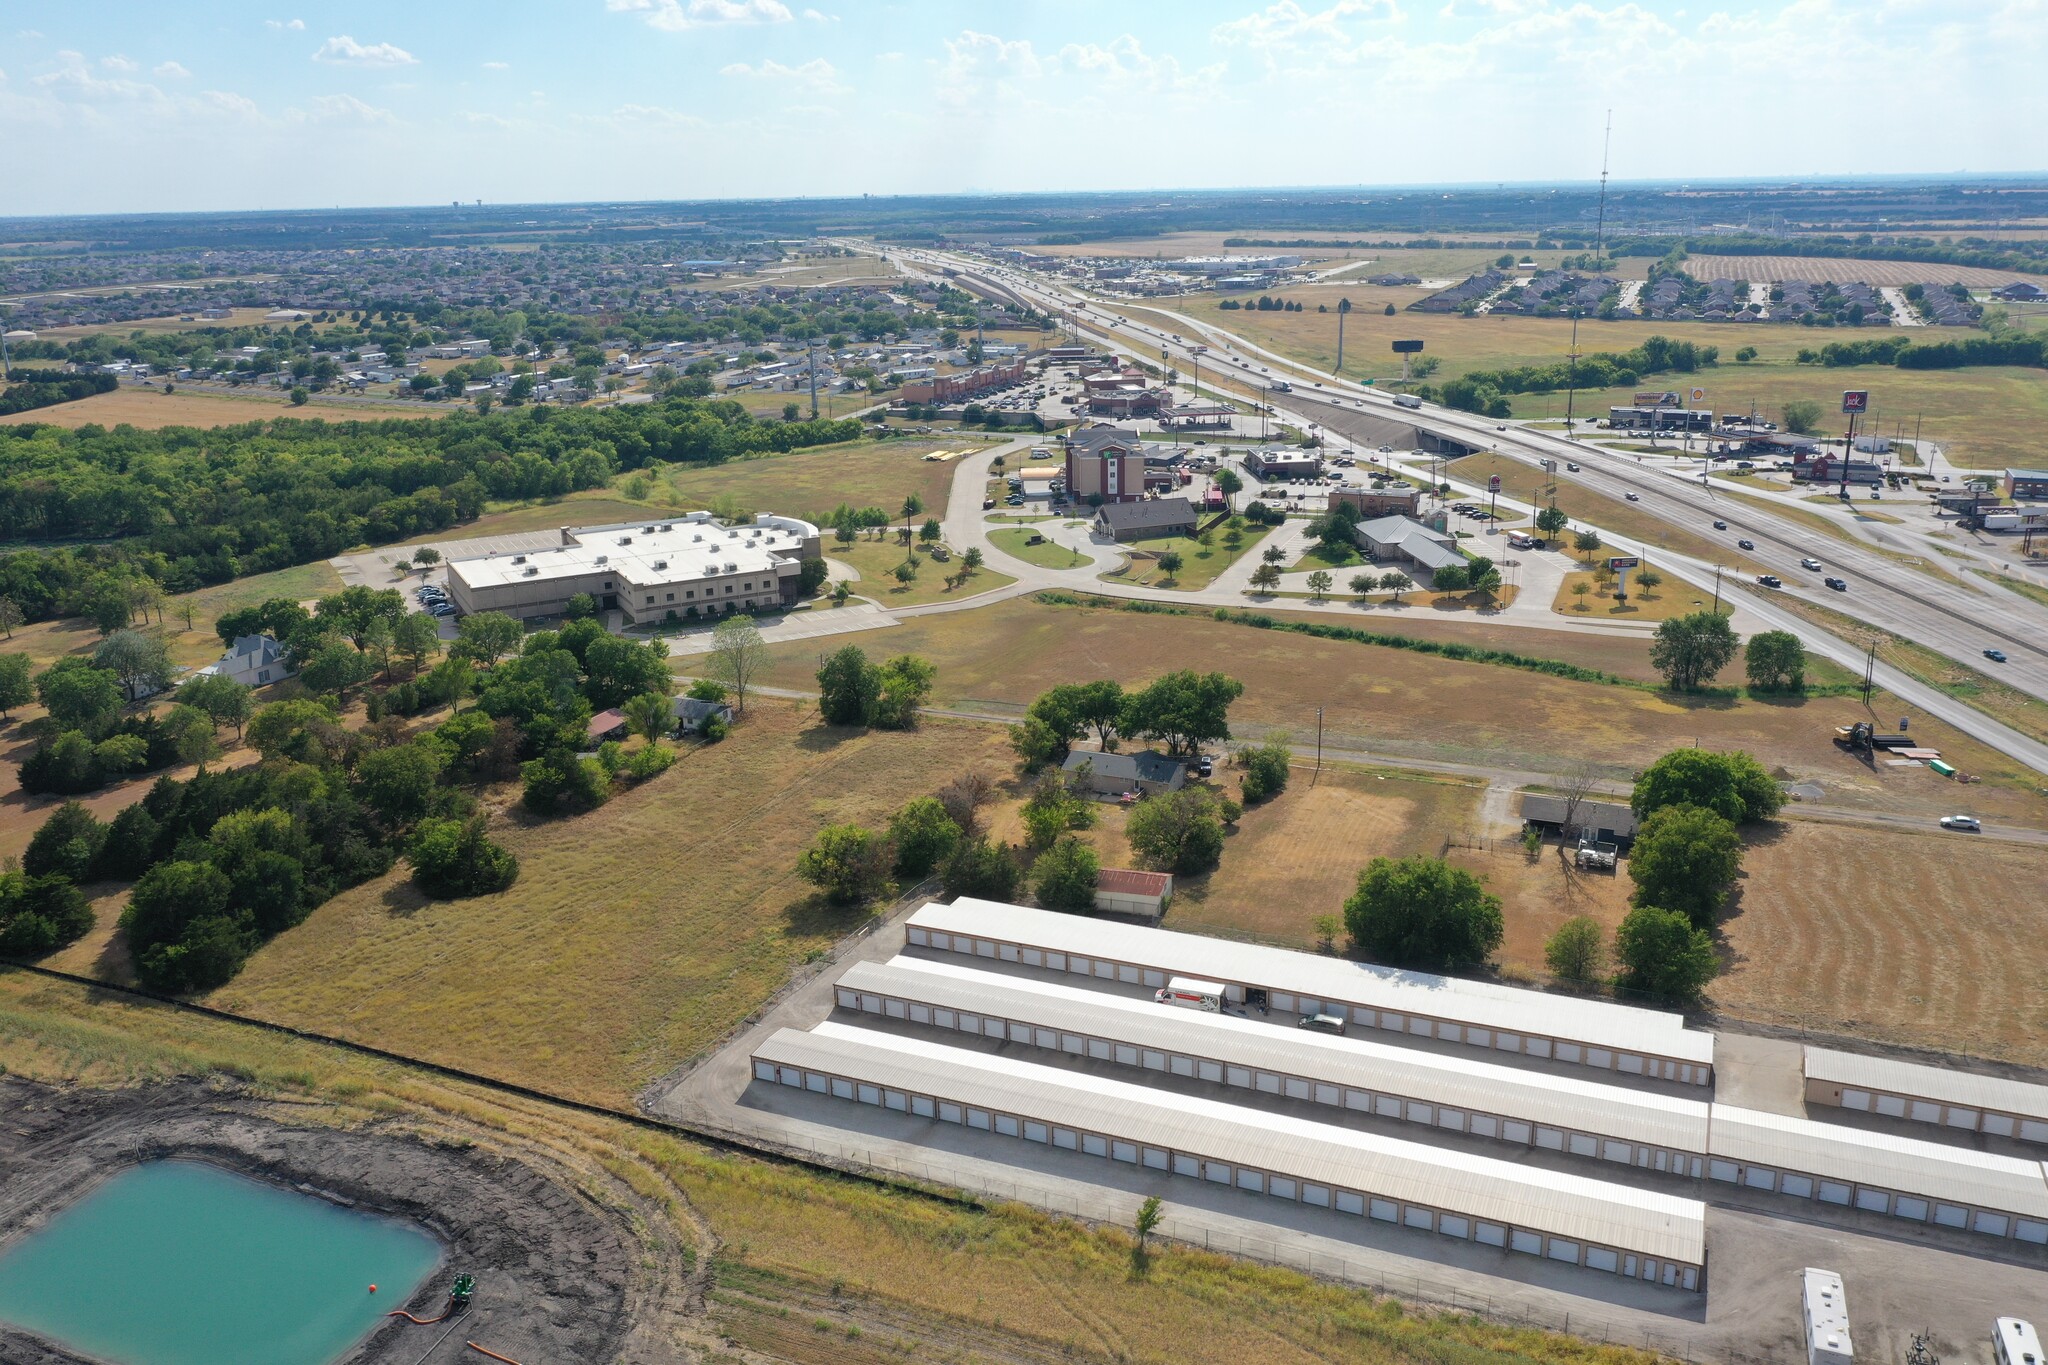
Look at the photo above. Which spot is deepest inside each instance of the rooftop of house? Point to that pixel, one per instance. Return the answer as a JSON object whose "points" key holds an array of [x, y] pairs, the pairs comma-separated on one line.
{"points": [[1146, 765]]}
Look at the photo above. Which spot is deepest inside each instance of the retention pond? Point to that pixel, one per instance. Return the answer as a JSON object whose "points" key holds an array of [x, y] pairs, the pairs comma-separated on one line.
{"points": [[183, 1263]]}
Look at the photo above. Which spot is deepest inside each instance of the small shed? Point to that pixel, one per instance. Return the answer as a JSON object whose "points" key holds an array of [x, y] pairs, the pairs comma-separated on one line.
{"points": [[1140, 895], [1608, 821], [606, 725], [693, 714], [1113, 774]]}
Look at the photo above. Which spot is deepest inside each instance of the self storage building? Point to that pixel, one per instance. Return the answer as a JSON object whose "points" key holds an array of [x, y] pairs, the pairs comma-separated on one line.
{"points": [[1530, 1109], [1545, 1214], [1397, 1004], [1926, 1094]]}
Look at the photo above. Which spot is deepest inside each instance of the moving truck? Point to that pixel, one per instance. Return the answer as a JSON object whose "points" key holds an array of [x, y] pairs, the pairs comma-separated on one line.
{"points": [[1826, 1314], [1192, 993]]}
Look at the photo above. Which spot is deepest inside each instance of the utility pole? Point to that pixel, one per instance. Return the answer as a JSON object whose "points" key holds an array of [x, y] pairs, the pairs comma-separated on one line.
{"points": [[1344, 307], [814, 379], [1717, 589], [1571, 392], [1319, 748], [1869, 669]]}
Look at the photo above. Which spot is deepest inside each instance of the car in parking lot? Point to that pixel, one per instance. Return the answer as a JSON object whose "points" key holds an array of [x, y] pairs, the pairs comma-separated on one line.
{"points": [[1321, 1023], [1837, 584], [1746, 544], [1720, 525], [1968, 824], [1996, 656], [1810, 563]]}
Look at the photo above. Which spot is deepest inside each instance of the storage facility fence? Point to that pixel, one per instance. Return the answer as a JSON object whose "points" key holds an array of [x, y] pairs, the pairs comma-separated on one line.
{"points": [[1453, 1223], [1401, 1023]]}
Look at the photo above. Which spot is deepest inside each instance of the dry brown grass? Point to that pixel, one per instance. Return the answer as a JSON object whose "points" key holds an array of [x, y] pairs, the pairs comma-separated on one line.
{"points": [[1933, 940], [636, 935], [150, 409]]}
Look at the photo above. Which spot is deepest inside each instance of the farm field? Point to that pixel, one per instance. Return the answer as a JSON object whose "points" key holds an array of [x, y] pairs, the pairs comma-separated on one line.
{"points": [[1818, 269], [636, 935], [1399, 703], [1889, 936], [810, 483], [877, 560], [150, 409]]}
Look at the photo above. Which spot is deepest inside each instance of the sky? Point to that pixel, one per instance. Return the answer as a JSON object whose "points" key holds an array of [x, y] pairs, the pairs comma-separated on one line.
{"points": [[117, 106]]}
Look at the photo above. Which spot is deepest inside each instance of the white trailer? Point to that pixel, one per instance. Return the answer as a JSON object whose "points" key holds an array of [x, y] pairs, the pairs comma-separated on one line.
{"points": [[2015, 1342], [1192, 993], [1827, 1319]]}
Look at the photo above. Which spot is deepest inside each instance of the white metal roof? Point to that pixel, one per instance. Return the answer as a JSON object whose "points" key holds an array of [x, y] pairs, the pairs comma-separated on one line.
{"points": [[1621, 1027], [1929, 1082], [1482, 1187], [676, 549], [1357, 1062], [1881, 1160]]}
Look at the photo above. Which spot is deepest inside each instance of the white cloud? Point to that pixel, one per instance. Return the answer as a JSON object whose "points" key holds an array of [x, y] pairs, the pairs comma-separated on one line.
{"points": [[346, 108], [285, 25], [227, 102], [1126, 62], [820, 17], [677, 15], [346, 51], [497, 66], [816, 74], [172, 71], [119, 63]]}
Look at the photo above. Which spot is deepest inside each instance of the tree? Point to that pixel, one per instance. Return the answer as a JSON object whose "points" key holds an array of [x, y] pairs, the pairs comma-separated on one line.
{"points": [[980, 868], [1266, 578], [964, 797], [426, 556], [738, 656], [1450, 578], [301, 730], [1185, 709], [1179, 832], [581, 607], [1801, 415], [399, 782], [930, 532], [17, 686], [848, 863], [1663, 955], [1230, 485], [558, 781], [1363, 585], [10, 615], [1552, 520], [1649, 579], [335, 668], [906, 572], [1587, 543], [1265, 770], [1733, 785], [1319, 584], [848, 686], [1396, 583], [223, 700], [1052, 809], [191, 733], [1775, 662], [972, 559], [650, 715], [40, 914], [1689, 650], [416, 638], [452, 859], [79, 695], [913, 506], [1577, 952], [1170, 563], [65, 845], [351, 611], [616, 669], [923, 835], [488, 636], [139, 661], [280, 618], [1581, 590], [299, 397], [1064, 876], [1422, 912], [1685, 859], [1326, 928]]}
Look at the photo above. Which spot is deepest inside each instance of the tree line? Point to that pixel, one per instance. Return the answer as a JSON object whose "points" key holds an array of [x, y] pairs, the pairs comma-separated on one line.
{"points": [[31, 389], [1487, 391]]}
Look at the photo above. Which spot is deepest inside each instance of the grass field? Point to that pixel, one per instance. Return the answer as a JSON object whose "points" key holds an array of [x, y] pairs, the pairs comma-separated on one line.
{"points": [[149, 409], [1047, 554], [877, 561], [1669, 600], [1904, 938], [810, 483], [636, 935], [1397, 702], [1200, 563], [170, 322]]}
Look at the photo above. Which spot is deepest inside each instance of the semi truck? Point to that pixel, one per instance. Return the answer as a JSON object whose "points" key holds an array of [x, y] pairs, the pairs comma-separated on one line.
{"points": [[1407, 400]]}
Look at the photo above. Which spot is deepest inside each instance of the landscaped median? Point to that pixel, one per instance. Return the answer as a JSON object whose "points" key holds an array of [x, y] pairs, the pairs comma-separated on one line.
{"points": [[1590, 593], [1046, 554]]}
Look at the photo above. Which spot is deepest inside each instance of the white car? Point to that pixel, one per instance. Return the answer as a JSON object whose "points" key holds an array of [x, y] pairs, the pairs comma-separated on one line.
{"points": [[1966, 823]]}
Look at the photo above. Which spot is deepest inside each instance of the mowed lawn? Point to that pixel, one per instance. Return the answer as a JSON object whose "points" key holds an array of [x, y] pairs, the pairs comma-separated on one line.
{"points": [[636, 935], [1934, 940], [149, 409], [810, 483], [1398, 702], [878, 560], [1200, 564]]}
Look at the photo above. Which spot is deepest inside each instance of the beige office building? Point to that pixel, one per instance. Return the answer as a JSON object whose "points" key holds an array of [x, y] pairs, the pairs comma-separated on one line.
{"points": [[689, 566]]}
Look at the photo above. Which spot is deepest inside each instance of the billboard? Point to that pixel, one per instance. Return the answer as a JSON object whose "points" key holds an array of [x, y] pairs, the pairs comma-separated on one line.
{"points": [[1666, 399], [1407, 347], [1699, 398], [1493, 484], [1856, 400], [1620, 562]]}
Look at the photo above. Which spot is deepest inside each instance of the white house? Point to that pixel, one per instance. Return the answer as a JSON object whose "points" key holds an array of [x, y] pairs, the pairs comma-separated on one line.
{"points": [[253, 661]]}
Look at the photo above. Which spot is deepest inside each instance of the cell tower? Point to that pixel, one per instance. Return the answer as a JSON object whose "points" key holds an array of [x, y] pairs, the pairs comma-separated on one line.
{"points": [[1600, 231]]}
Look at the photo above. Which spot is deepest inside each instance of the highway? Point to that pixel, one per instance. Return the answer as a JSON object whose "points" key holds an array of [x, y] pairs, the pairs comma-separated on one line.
{"points": [[1946, 616]]}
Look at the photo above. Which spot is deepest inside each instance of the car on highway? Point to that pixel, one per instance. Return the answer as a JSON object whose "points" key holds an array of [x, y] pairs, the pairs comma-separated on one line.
{"points": [[1837, 584], [1633, 497], [1720, 526], [1386, 450], [1968, 824], [1568, 464], [1810, 563], [1746, 544], [1769, 580], [1996, 656]]}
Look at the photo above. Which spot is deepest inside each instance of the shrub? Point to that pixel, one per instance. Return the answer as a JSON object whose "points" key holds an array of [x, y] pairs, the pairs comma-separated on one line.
{"points": [[1265, 770], [1063, 878], [40, 914], [1577, 952], [1663, 955], [454, 858], [848, 863], [924, 836], [981, 868], [1422, 912], [67, 844]]}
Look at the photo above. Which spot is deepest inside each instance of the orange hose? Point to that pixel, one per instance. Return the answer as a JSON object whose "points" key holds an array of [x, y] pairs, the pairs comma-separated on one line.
{"points": [[417, 1322], [492, 1354]]}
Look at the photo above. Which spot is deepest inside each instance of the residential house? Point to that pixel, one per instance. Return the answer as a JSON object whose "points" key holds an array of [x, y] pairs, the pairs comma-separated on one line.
{"points": [[693, 714], [253, 661], [1145, 771]]}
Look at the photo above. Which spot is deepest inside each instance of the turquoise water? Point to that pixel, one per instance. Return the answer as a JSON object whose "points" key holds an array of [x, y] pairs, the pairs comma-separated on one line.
{"points": [[181, 1263]]}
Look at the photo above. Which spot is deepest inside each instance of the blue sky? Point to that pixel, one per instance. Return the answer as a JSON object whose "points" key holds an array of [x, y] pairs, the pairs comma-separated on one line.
{"points": [[119, 106]]}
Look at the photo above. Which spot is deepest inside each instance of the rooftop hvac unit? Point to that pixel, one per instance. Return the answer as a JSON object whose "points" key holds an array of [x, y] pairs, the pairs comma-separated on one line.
{"points": [[667, 527], [604, 559], [647, 530], [711, 570], [518, 559], [625, 540], [661, 563], [732, 568], [532, 571]]}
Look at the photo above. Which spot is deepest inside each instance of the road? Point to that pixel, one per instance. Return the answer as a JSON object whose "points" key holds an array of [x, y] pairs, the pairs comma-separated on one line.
{"points": [[1955, 619]]}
